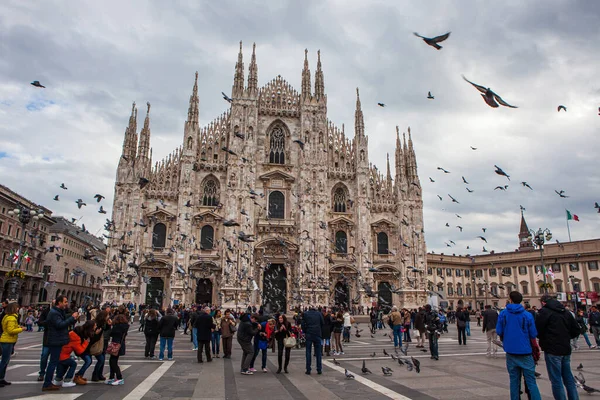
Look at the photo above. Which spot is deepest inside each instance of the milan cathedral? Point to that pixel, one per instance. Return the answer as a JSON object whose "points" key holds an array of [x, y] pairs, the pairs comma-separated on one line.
{"points": [[268, 204]]}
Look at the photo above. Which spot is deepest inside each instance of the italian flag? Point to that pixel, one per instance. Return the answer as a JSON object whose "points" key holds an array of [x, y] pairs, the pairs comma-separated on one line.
{"points": [[15, 256], [26, 256], [570, 216]]}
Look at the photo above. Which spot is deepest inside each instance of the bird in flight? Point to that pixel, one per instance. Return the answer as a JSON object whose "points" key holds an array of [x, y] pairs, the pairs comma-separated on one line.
{"points": [[473, 148], [525, 184], [469, 190], [464, 180], [503, 188], [381, 104], [433, 42], [429, 96], [561, 107], [489, 96], [442, 169], [431, 179], [37, 84], [226, 98], [453, 199], [98, 197], [499, 171], [561, 194]]}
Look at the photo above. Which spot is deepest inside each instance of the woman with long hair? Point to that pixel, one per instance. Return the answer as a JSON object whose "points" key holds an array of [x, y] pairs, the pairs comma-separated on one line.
{"points": [[94, 334], [102, 324], [79, 339], [338, 327], [283, 329], [10, 333], [118, 335], [151, 333], [216, 334]]}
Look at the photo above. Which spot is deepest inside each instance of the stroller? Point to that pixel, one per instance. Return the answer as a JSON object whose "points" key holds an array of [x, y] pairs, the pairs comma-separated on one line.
{"points": [[300, 337]]}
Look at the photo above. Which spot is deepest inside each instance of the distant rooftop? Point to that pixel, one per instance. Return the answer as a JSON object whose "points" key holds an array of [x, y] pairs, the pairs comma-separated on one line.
{"points": [[63, 225]]}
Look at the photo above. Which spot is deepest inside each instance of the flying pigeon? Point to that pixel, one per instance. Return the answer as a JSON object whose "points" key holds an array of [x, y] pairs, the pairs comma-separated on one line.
{"points": [[525, 184], [99, 197], [102, 210], [433, 42], [80, 203], [489, 96], [561, 107], [442, 169], [37, 84], [226, 98], [62, 186], [56, 198], [473, 148], [430, 96], [561, 194], [381, 104], [499, 171], [300, 143]]}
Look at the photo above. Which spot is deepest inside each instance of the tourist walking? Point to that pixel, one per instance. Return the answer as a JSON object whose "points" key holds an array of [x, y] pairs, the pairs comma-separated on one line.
{"points": [[167, 326], [461, 324], [326, 331], [118, 334], [406, 324], [205, 326], [337, 326], [516, 328], [151, 332], [396, 322], [227, 330], [348, 321], [581, 321], [594, 321], [312, 324], [57, 325], [283, 330], [247, 330], [490, 319], [420, 327], [10, 334], [556, 327], [434, 327], [216, 334]]}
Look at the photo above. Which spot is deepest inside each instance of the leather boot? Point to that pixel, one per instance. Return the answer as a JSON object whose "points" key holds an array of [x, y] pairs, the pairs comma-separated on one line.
{"points": [[328, 350]]}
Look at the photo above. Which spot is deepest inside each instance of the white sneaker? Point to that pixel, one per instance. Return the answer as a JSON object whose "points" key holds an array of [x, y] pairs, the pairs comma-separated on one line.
{"points": [[57, 383], [195, 348], [118, 382], [68, 384]]}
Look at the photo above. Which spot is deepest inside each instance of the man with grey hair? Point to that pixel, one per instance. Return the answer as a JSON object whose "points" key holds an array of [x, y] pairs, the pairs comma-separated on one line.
{"points": [[204, 326], [395, 321]]}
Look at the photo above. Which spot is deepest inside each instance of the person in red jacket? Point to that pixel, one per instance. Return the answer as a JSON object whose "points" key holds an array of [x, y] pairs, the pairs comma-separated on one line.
{"points": [[79, 339]]}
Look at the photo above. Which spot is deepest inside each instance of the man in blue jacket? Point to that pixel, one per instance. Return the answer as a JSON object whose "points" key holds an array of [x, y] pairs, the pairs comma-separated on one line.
{"points": [[312, 324], [57, 328], [516, 329]]}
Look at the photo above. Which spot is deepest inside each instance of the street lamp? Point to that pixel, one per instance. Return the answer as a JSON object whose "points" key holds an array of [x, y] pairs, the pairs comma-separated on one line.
{"points": [[539, 238], [25, 215], [475, 290]]}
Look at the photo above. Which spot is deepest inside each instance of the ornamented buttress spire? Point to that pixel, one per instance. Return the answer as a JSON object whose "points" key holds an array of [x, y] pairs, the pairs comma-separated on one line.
{"points": [[319, 82], [144, 145], [130, 140], [253, 74], [238, 79], [524, 243], [389, 173], [306, 87], [359, 122], [193, 108], [412, 159]]}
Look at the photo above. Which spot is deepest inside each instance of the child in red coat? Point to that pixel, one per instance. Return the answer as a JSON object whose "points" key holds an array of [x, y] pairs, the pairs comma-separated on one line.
{"points": [[79, 339]]}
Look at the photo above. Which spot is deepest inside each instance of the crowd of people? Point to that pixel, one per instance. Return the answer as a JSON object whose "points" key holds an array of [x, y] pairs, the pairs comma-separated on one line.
{"points": [[97, 332]]}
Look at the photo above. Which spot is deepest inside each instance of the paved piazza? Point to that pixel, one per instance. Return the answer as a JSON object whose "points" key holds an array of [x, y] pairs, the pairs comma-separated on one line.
{"points": [[461, 373]]}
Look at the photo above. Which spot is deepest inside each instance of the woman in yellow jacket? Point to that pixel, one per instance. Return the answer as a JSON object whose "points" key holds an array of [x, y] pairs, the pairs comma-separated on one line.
{"points": [[10, 332]]}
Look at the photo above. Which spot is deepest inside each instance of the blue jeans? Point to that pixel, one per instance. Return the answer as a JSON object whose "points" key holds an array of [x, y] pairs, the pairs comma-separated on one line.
{"points": [[433, 344], [195, 337], [99, 367], [256, 350], [69, 365], [44, 360], [518, 365], [559, 372], [216, 340], [52, 364], [397, 335], [87, 361], [310, 341], [7, 349], [169, 342], [468, 328]]}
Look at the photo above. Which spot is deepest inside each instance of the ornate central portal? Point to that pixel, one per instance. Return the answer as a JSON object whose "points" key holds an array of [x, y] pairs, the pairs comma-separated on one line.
{"points": [[275, 289]]}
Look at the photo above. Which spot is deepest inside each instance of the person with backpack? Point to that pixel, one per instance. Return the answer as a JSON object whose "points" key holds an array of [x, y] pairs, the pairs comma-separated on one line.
{"points": [[45, 348], [461, 325]]}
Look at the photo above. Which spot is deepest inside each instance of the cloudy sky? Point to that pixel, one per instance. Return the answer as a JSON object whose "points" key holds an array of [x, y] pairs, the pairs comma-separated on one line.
{"points": [[97, 57]]}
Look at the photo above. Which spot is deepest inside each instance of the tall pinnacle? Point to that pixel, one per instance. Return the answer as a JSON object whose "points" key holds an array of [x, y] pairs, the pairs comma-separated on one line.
{"points": [[359, 123], [319, 81], [238, 79], [306, 87], [253, 73], [130, 140], [193, 108], [389, 173], [144, 145]]}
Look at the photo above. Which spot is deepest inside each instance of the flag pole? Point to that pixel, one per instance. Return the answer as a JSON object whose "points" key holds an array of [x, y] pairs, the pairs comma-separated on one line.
{"points": [[568, 228]]}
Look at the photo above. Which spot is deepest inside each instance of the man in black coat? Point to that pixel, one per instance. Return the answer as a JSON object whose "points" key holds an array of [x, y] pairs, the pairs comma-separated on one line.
{"points": [[556, 327], [167, 326], [246, 332], [204, 327], [490, 319], [312, 326], [57, 331]]}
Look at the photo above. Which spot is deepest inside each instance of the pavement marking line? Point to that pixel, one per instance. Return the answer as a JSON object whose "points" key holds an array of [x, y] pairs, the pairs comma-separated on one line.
{"points": [[370, 384], [53, 396], [147, 384], [123, 368], [30, 347], [357, 341]]}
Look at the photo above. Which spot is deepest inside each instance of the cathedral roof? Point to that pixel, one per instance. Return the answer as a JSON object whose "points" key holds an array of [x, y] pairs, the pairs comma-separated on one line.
{"points": [[279, 95]]}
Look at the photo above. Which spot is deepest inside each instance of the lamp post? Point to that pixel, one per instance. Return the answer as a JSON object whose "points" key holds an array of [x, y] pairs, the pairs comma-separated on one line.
{"points": [[539, 238], [25, 215], [475, 290]]}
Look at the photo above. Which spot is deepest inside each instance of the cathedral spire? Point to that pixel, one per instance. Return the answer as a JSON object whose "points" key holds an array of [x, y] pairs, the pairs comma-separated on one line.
{"points": [[130, 140], [238, 79], [412, 161], [359, 122], [253, 74], [193, 108], [389, 174], [306, 87], [524, 243], [144, 145], [319, 82]]}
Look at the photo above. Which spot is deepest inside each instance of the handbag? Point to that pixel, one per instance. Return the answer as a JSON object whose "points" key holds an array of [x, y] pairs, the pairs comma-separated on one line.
{"points": [[114, 348], [263, 344], [289, 342], [97, 347]]}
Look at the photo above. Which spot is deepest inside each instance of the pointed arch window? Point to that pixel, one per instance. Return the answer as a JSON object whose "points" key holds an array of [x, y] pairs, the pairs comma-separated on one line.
{"points": [[210, 196], [341, 242], [276, 205], [339, 200], [277, 146], [207, 237], [159, 236], [382, 243]]}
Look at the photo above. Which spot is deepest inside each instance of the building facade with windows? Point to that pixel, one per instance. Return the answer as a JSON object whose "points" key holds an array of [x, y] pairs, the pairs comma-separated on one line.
{"points": [[474, 281], [326, 226], [74, 263], [35, 237]]}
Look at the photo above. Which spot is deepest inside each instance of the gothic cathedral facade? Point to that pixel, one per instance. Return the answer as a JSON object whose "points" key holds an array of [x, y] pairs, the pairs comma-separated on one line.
{"points": [[269, 204]]}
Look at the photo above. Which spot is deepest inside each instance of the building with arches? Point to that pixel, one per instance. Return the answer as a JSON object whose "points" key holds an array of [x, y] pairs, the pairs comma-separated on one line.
{"points": [[318, 223]]}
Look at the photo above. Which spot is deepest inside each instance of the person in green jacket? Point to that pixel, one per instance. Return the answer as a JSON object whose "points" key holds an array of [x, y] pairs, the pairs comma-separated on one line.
{"points": [[10, 333]]}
